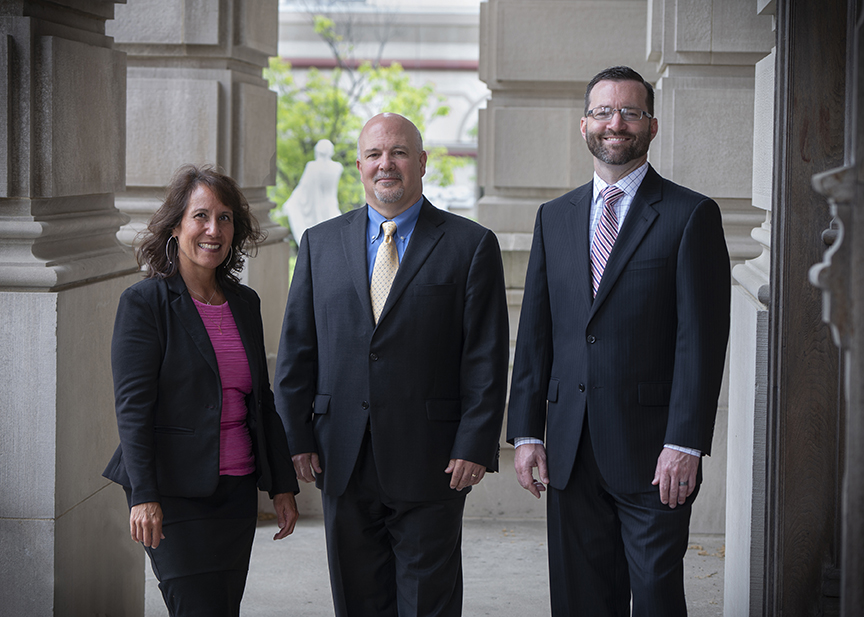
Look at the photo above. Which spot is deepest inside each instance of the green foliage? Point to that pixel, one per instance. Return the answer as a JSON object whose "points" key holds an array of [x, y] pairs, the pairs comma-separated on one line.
{"points": [[305, 115], [327, 106]]}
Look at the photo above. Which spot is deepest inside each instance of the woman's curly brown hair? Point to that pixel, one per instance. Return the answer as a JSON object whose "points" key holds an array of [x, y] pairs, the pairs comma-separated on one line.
{"points": [[160, 258]]}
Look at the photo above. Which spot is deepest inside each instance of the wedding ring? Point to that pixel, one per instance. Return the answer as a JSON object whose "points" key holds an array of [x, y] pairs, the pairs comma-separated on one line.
{"points": [[685, 483]]}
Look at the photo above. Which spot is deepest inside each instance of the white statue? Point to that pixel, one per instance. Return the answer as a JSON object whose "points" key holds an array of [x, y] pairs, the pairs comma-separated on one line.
{"points": [[315, 198]]}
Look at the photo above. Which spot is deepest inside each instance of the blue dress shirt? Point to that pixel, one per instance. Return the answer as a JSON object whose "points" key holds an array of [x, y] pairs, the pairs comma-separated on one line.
{"points": [[405, 224]]}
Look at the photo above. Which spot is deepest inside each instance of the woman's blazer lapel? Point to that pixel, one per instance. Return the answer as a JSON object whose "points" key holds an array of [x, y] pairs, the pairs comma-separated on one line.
{"points": [[188, 316]]}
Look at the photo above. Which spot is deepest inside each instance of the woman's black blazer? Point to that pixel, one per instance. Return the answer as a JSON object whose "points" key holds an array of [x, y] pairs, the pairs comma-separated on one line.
{"points": [[168, 395]]}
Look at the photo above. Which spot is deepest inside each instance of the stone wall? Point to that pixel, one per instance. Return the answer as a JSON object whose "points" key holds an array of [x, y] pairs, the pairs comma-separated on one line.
{"points": [[66, 548]]}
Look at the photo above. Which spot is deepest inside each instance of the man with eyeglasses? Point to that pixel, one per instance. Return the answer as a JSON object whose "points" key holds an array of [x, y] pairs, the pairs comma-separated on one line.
{"points": [[618, 366]]}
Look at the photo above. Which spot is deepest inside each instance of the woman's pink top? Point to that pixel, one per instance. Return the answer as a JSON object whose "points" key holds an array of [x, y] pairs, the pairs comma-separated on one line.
{"points": [[235, 443]]}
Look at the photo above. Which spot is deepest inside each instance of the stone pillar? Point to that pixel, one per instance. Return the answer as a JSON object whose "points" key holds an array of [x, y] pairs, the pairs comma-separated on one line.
{"points": [[537, 57], [706, 52], [196, 95], [65, 539], [748, 381]]}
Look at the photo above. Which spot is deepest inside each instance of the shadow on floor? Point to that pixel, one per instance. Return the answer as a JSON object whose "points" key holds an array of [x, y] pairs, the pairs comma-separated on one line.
{"points": [[505, 572]]}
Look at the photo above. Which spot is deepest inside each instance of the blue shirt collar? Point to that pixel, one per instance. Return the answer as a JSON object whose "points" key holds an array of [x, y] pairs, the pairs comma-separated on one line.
{"points": [[405, 222]]}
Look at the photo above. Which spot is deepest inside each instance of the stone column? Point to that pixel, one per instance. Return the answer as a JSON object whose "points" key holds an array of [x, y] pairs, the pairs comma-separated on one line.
{"points": [[65, 539], [748, 380], [706, 52], [537, 57], [196, 95]]}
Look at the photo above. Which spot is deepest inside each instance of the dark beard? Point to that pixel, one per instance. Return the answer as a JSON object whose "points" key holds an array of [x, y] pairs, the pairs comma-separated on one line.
{"points": [[637, 148]]}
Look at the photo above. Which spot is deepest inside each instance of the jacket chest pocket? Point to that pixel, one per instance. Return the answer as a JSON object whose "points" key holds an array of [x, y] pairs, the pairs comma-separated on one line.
{"points": [[444, 289], [646, 264]]}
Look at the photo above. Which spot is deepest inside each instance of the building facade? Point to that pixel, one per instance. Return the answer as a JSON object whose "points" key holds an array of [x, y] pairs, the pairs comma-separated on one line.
{"points": [[756, 98]]}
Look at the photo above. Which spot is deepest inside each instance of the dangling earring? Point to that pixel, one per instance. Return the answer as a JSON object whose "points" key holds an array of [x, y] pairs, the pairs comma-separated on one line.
{"points": [[227, 262], [167, 254]]}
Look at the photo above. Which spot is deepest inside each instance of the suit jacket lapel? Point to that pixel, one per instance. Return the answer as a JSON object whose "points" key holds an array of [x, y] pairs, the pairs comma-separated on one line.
{"points": [[426, 234], [354, 247], [639, 219], [188, 315], [578, 223]]}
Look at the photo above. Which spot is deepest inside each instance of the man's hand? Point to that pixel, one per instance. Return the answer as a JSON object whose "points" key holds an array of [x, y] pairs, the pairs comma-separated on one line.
{"points": [[529, 456], [676, 475], [145, 523], [286, 514], [306, 465], [464, 473]]}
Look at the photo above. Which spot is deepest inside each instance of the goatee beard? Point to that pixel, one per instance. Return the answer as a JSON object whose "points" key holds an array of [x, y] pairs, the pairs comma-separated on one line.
{"points": [[389, 196], [638, 146]]}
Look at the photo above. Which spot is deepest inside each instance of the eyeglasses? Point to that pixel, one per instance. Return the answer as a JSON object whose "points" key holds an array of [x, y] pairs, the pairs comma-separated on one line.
{"points": [[628, 114]]}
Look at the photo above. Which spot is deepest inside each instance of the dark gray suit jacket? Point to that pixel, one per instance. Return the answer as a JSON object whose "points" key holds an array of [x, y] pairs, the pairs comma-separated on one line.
{"points": [[168, 395], [430, 379], [645, 358]]}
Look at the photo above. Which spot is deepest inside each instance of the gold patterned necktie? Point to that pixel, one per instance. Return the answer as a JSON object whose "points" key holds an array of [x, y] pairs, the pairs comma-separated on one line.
{"points": [[386, 265]]}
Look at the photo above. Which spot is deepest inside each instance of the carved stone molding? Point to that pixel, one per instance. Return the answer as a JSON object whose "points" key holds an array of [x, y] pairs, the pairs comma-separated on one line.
{"points": [[62, 118], [754, 274], [834, 273]]}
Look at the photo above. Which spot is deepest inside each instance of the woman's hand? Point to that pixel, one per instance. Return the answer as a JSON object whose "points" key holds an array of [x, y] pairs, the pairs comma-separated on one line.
{"points": [[145, 523], [286, 514]]}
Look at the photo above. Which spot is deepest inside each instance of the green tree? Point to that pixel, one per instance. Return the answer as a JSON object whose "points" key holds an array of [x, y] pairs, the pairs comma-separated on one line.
{"points": [[319, 109], [327, 106]]}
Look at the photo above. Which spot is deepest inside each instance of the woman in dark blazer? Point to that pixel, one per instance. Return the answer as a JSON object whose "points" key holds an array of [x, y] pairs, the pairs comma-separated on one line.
{"points": [[198, 428]]}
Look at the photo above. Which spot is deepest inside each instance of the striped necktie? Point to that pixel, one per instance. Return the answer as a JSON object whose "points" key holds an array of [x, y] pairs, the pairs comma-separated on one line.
{"points": [[604, 235]]}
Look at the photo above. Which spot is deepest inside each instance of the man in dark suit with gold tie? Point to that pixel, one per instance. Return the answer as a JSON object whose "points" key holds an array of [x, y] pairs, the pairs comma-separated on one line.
{"points": [[618, 365], [391, 380]]}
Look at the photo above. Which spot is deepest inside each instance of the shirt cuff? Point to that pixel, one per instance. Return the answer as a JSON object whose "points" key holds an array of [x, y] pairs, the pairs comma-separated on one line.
{"points": [[521, 441], [689, 451]]}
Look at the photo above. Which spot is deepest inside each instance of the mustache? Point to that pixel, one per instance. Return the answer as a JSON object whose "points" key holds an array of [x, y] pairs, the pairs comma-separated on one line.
{"points": [[611, 133], [387, 176]]}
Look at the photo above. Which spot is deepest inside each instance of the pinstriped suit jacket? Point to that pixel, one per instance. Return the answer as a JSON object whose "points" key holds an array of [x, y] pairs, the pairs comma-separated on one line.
{"points": [[644, 359]]}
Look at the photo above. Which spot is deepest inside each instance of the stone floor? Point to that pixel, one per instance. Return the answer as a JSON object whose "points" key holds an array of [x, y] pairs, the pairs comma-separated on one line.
{"points": [[504, 568]]}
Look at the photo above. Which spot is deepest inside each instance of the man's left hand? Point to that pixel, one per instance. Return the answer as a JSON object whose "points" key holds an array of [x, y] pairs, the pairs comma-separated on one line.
{"points": [[464, 473], [676, 475], [286, 514]]}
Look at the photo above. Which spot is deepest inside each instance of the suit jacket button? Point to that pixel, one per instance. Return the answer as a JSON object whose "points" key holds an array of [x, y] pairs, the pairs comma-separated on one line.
{"points": [[364, 405], [373, 356], [581, 387], [591, 339]]}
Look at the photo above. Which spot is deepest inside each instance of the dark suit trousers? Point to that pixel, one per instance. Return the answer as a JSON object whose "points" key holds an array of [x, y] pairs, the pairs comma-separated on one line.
{"points": [[602, 545], [390, 558]]}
